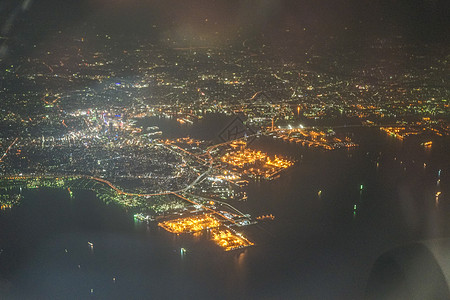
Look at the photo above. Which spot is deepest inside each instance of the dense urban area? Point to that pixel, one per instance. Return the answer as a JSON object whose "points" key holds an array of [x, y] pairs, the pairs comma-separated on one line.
{"points": [[238, 149], [73, 116]]}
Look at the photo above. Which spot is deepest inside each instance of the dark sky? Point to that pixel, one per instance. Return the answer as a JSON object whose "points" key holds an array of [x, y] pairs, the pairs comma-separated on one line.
{"points": [[225, 20]]}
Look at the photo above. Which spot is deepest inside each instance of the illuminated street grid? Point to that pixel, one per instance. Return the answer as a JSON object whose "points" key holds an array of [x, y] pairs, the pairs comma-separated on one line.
{"points": [[229, 240], [190, 224]]}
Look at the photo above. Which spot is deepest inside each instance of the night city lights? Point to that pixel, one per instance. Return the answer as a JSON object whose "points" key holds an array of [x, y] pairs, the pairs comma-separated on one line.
{"points": [[226, 149]]}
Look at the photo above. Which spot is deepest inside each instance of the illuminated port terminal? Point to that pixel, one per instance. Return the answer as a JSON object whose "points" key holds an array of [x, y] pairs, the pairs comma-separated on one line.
{"points": [[398, 132], [415, 129], [190, 224], [229, 240], [265, 217], [222, 235], [254, 163], [313, 138]]}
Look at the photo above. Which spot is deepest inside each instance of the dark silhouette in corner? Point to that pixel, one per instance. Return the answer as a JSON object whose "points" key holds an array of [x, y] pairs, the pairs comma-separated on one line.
{"points": [[416, 271]]}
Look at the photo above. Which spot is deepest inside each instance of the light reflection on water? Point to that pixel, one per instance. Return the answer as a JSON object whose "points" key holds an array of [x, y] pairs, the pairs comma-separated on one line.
{"points": [[315, 247]]}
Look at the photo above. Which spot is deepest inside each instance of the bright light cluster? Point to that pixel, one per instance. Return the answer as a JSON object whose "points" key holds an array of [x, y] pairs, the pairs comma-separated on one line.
{"points": [[255, 163], [190, 224], [400, 132], [243, 157], [229, 240], [314, 139], [279, 162]]}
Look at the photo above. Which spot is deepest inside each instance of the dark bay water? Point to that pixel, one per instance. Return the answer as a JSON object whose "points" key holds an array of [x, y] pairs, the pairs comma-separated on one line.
{"points": [[314, 249]]}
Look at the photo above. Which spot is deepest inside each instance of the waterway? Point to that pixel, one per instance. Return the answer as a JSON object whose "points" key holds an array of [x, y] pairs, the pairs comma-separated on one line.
{"points": [[316, 248]]}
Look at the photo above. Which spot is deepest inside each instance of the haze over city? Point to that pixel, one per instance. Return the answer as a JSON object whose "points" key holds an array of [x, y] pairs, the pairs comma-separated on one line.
{"points": [[224, 149]]}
